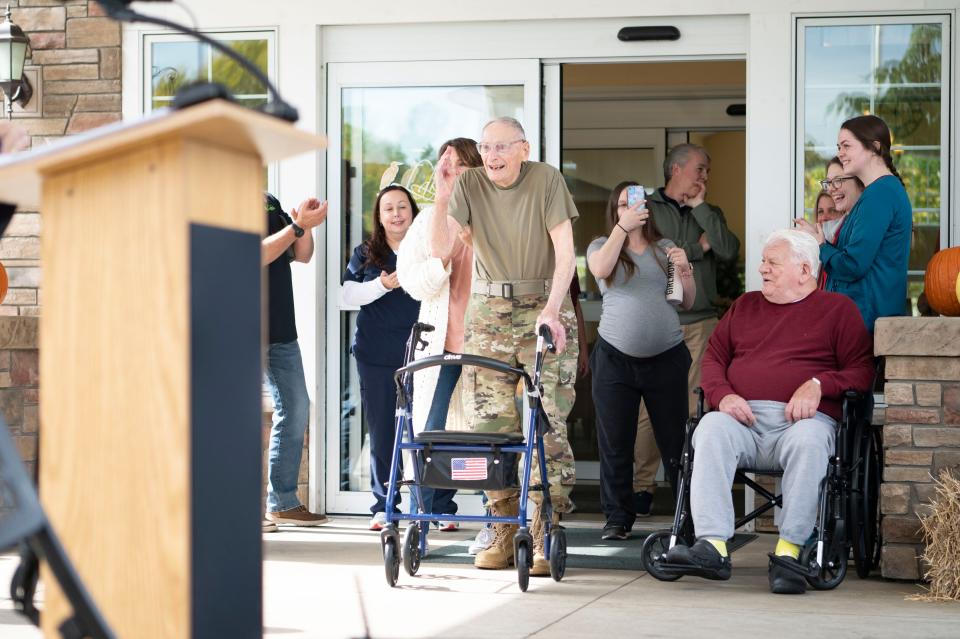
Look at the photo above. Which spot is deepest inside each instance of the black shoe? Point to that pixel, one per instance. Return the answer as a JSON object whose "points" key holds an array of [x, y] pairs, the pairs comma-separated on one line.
{"points": [[615, 532], [642, 503], [702, 558], [784, 581]]}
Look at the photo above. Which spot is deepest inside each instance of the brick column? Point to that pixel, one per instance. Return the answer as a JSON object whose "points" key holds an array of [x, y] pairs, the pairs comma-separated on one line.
{"points": [[74, 69], [19, 380], [921, 435]]}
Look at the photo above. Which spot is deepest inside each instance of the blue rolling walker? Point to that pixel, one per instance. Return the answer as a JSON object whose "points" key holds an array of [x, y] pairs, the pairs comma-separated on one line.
{"points": [[469, 461]]}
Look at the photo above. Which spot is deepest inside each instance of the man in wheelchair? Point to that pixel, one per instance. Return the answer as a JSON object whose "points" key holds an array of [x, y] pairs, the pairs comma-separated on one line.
{"points": [[776, 369]]}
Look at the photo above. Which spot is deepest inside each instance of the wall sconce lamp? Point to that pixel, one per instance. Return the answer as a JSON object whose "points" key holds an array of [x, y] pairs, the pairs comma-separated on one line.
{"points": [[13, 52]]}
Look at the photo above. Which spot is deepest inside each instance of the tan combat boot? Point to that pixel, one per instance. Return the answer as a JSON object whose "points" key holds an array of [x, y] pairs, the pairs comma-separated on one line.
{"points": [[541, 565], [499, 555]]}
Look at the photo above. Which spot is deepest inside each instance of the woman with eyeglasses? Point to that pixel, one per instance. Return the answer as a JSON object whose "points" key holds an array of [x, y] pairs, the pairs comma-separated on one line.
{"points": [[387, 314], [868, 260], [640, 354]]}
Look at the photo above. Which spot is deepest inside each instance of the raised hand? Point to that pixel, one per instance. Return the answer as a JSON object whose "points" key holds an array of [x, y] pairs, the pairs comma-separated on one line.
{"points": [[311, 212], [634, 217], [445, 176], [815, 230]]}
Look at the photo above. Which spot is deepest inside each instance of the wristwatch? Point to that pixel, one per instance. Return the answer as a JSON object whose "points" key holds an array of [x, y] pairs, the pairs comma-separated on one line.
{"points": [[297, 230]]}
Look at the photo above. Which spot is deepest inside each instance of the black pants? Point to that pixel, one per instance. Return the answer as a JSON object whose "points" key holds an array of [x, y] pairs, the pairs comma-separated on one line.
{"points": [[379, 395], [620, 382]]}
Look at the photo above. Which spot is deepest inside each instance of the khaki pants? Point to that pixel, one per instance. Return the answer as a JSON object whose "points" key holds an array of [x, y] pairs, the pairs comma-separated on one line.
{"points": [[646, 457]]}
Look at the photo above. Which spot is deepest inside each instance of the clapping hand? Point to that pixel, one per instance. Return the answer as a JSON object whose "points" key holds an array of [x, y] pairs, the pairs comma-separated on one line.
{"points": [[311, 212], [389, 280], [815, 230]]}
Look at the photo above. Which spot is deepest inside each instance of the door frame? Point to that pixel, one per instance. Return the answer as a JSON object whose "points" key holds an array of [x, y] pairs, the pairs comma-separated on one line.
{"points": [[344, 75]]}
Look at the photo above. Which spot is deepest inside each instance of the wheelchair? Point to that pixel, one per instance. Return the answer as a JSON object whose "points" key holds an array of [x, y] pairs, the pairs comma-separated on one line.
{"points": [[847, 515]]}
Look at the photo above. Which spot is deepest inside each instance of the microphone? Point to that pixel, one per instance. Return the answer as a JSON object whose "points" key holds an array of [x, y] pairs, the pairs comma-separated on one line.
{"points": [[120, 11]]}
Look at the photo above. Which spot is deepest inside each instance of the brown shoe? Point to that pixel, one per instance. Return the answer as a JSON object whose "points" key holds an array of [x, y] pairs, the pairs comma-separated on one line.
{"points": [[499, 555], [298, 516], [268, 526], [541, 565]]}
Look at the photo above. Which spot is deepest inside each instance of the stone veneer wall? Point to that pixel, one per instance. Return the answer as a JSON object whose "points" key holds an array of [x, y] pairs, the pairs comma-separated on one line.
{"points": [[19, 380], [922, 431], [74, 67]]}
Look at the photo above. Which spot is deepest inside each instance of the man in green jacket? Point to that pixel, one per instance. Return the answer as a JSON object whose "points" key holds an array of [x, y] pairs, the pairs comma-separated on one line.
{"points": [[682, 215]]}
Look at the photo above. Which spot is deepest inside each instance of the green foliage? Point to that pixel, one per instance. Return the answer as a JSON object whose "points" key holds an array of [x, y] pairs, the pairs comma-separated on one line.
{"points": [[169, 80]]}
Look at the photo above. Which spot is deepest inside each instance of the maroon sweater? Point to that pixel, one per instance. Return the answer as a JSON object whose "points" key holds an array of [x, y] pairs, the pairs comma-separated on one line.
{"points": [[766, 351]]}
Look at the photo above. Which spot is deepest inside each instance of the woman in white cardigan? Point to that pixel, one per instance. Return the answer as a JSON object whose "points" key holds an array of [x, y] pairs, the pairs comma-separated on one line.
{"points": [[442, 284]]}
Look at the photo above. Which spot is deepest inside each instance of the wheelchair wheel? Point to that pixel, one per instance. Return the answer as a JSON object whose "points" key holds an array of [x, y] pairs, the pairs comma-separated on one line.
{"points": [[834, 567], [864, 502], [558, 553], [654, 549], [411, 549], [523, 565], [391, 560]]}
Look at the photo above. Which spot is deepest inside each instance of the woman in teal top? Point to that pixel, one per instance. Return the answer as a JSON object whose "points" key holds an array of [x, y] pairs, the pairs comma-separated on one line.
{"points": [[868, 263]]}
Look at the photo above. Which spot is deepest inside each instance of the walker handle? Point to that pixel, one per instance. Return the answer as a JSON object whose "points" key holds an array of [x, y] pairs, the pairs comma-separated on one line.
{"points": [[547, 335]]}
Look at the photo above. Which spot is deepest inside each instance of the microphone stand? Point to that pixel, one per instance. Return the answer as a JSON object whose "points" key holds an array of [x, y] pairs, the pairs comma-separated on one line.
{"points": [[193, 94]]}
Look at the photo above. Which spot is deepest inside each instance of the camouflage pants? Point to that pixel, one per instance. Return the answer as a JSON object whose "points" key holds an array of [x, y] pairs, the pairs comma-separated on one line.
{"points": [[504, 329]]}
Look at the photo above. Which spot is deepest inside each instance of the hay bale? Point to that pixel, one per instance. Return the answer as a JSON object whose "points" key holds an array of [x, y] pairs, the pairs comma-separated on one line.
{"points": [[941, 532]]}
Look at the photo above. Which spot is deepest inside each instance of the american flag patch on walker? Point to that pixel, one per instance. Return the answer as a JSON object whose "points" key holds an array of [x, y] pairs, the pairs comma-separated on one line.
{"points": [[468, 468]]}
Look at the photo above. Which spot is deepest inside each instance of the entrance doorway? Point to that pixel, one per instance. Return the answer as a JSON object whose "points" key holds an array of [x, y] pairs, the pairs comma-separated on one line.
{"points": [[619, 121]]}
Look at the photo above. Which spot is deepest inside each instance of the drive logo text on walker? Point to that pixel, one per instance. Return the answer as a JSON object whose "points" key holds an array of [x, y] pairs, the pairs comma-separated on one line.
{"points": [[468, 468]]}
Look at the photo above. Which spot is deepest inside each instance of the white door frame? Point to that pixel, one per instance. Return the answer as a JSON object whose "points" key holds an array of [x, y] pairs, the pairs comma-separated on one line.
{"points": [[525, 72]]}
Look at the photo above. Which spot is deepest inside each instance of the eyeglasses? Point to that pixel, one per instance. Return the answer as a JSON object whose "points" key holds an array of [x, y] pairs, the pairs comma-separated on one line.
{"points": [[836, 182], [499, 147]]}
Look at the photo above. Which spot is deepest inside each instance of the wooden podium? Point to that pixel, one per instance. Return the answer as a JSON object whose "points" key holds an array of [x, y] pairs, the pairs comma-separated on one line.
{"points": [[150, 363]]}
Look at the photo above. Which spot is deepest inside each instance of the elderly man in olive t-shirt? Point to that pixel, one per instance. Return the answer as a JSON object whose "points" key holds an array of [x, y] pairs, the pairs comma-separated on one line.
{"points": [[521, 217]]}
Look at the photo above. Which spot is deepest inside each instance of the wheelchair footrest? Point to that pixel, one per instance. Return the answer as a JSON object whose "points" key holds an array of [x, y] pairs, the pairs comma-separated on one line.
{"points": [[794, 566]]}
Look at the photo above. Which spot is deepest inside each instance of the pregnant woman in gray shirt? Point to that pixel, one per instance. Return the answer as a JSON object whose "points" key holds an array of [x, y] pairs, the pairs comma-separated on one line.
{"points": [[639, 354]]}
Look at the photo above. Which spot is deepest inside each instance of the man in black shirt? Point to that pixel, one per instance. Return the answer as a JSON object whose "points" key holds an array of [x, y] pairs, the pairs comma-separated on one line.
{"points": [[289, 239]]}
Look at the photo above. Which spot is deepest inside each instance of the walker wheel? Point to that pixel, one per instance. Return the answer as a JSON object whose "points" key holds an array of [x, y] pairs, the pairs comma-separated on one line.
{"points": [[391, 560], [654, 551], [411, 549], [558, 553], [523, 565]]}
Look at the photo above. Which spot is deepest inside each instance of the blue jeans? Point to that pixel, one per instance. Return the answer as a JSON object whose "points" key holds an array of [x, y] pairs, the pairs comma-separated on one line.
{"points": [[291, 413], [440, 500]]}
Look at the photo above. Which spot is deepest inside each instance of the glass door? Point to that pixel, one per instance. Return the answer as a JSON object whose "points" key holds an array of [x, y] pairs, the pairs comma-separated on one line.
{"points": [[386, 122], [594, 161]]}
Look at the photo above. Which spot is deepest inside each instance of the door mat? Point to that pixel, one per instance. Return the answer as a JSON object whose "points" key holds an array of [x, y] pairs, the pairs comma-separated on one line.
{"points": [[585, 549]]}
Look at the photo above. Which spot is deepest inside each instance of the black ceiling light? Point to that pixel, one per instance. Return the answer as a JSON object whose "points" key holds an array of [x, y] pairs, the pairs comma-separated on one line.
{"points": [[737, 109], [643, 34]]}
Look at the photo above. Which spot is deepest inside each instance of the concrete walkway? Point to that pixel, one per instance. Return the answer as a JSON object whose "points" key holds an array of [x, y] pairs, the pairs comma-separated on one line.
{"points": [[323, 582]]}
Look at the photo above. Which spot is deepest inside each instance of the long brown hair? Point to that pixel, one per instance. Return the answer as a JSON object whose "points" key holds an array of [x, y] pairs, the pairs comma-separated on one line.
{"points": [[466, 149], [873, 133], [649, 232], [378, 249]]}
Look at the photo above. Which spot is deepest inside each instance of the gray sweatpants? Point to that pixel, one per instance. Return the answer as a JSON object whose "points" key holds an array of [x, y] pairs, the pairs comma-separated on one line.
{"points": [[722, 444]]}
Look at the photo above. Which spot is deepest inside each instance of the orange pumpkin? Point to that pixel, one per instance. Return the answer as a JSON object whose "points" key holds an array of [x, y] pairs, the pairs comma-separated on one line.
{"points": [[940, 281], [4, 282]]}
